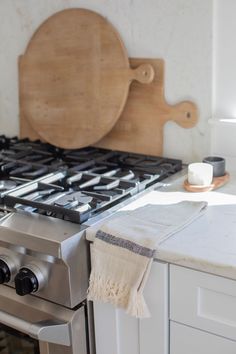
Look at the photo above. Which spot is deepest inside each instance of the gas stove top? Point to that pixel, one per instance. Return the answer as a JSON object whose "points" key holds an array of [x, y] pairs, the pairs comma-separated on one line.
{"points": [[74, 185], [42, 256]]}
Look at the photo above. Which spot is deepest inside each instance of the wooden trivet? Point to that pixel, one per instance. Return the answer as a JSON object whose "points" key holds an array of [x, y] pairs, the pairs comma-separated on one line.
{"points": [[217, 182]]}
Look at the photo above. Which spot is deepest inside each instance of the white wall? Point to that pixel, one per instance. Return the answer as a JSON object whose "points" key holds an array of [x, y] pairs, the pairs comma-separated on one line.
{"points": [[180, 31], [224, 59], [223, 122]]}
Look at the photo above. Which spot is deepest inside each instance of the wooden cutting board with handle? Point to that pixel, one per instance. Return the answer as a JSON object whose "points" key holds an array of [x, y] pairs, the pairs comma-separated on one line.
{"points": [[75, 77], [140, 126]]}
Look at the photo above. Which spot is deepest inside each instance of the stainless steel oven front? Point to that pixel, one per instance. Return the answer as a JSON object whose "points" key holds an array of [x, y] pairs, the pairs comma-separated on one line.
{"points": [[44, 270], [30, 325]]}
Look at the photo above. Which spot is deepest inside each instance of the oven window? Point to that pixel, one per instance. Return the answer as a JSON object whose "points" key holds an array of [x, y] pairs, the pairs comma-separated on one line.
{"points": [[14, 342]]}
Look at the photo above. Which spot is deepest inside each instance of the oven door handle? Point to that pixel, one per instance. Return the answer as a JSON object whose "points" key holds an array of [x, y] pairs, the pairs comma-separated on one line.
{"points": [[51, 331]]}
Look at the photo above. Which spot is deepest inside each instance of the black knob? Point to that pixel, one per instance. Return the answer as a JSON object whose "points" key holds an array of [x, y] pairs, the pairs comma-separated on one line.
{"points": [[5, 273], [26, 282]]}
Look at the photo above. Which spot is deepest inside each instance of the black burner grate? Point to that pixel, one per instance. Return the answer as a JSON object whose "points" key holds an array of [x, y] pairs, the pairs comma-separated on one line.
{"points": [[74, 184]]}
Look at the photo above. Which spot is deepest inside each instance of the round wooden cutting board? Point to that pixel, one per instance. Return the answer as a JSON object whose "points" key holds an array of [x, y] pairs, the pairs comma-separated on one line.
{"points": [[75, 78]]}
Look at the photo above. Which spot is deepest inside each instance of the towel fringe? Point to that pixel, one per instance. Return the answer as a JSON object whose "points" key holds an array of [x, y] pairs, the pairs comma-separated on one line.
{"points": [[118, 294], [137, 306]]}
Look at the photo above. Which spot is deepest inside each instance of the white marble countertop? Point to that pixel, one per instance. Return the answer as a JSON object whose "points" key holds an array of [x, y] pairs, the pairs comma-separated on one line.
{"points": [[209, 243]]}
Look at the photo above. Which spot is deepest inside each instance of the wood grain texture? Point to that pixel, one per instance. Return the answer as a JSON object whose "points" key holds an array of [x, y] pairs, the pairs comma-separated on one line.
{"points": [[26, 129], [140, 126], [217, 182], [75, 77]]}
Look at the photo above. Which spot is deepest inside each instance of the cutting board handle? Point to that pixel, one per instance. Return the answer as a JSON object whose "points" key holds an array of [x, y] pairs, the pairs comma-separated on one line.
{"points": [[143, 73], [184, 114]]}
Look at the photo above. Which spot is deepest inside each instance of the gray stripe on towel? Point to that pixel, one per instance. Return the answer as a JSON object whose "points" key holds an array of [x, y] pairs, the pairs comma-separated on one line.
{"points": [[129, 245]]}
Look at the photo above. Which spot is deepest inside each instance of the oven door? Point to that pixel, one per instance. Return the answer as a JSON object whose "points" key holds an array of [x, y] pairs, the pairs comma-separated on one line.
{"points": [[12, 341], [30, 325]]}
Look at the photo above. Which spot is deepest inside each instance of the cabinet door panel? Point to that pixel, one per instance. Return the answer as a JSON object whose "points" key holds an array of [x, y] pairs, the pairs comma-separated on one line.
{"points": [[115, 332], [119, 333], [203, 301], [154, 330], [187, 340]]}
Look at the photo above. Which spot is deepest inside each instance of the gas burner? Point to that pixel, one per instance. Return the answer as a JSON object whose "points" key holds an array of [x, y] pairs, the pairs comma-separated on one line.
{"points": [[85, 154], [129, 160], [149, 164], [73, 200], [6, 142], [4, 212], [136, 160], [7, 185]]}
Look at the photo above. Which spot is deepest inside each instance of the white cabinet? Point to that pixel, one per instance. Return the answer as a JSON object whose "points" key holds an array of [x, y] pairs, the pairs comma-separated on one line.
{"points": [[187, 340], [118, 333], [202, 313], [204, 301], [193, 311]]}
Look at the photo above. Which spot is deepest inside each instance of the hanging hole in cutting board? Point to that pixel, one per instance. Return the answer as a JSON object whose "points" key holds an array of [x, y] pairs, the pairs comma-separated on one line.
{"points": [[188, 115]]}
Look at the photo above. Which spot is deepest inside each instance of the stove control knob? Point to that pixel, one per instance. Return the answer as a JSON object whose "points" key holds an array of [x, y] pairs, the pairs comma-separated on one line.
{"points": [[5, 274], [29, 279], [8, 269]]}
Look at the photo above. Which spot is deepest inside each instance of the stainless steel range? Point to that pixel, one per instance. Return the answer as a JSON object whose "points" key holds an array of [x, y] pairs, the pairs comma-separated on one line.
{"points": [[49, 197]]}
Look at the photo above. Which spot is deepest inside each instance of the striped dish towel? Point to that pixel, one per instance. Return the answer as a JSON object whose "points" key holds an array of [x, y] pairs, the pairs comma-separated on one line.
{"points": [[123, 251]]}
